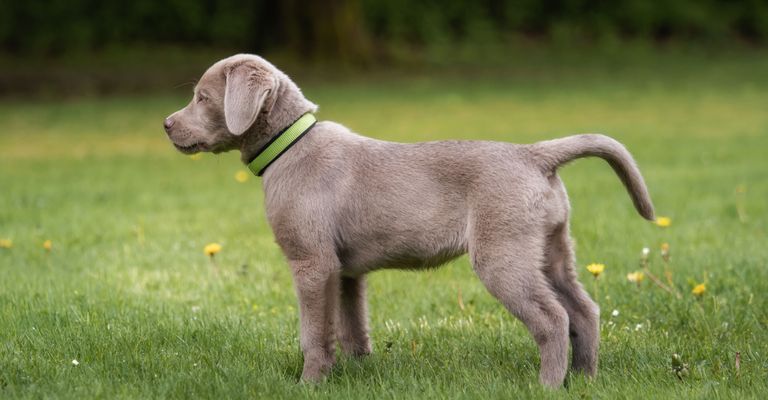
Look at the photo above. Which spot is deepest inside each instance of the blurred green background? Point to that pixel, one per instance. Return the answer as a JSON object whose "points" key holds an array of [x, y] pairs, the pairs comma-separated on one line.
{"points": [[85, 46]]}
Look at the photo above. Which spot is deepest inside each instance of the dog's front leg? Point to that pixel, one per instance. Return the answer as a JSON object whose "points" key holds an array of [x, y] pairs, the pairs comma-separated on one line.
{"points": [[353, 317], [317, 287]]}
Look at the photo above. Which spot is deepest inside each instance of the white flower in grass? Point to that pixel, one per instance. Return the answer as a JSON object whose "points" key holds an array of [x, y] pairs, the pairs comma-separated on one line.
{"points": [[75, 363], [638, 327], [615, 313]]}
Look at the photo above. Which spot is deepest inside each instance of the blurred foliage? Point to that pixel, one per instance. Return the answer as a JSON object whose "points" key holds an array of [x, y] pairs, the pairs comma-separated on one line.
{"points": [[361, 30], [431, 20], [58, 25]]}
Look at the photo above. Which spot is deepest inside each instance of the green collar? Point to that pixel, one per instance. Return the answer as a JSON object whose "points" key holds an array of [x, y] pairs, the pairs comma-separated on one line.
{"points": [[280, 143]]}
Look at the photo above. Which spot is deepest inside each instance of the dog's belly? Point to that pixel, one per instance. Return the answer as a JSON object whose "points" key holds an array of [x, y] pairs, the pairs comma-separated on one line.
{"points": [[356, 263], [399, 250]]}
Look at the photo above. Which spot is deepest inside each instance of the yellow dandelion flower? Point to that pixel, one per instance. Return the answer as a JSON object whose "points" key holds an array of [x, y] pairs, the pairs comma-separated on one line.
{"points": [[699, 289], [48, 245], [242, 176], [6, 243], [663, 221], [636, 277], [211, 249], [596, 269], [196, 156]]}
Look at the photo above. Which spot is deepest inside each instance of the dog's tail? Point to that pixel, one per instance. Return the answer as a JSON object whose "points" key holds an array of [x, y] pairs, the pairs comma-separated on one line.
{"points": [[551, 154]]}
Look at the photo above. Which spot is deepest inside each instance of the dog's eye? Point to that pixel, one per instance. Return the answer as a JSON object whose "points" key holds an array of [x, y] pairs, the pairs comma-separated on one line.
{"points": [[201, 98]]}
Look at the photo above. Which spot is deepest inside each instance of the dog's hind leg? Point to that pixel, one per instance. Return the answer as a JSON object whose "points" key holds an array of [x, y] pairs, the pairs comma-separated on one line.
{"points": [[583, 313], [353, 317], [511, 270]]}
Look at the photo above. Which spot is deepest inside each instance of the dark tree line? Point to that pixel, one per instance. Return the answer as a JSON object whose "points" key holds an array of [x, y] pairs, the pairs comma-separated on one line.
{"points": [[359, 29]]}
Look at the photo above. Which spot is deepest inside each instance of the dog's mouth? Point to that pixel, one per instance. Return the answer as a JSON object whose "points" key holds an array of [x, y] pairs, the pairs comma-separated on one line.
{"points": [[190, 149]]}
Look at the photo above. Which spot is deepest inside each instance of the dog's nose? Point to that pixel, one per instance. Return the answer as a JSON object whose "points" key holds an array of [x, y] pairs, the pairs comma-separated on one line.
{"points": [[168, 124]]}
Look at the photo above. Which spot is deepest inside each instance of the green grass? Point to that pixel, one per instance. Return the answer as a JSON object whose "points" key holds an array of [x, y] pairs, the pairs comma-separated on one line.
{"points": [[128, 293]]}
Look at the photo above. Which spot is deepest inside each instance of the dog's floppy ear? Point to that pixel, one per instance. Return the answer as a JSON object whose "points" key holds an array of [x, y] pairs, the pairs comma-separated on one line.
{"points": [[244, 96]]}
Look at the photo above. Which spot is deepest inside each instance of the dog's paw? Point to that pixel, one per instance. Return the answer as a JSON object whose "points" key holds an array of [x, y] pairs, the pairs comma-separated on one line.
{"points": [[314, 377], [316, 371], [356, 349]]}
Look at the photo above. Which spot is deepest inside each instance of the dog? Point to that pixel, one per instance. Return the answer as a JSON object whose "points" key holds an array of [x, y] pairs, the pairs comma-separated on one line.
{"points": [[341, 205]]}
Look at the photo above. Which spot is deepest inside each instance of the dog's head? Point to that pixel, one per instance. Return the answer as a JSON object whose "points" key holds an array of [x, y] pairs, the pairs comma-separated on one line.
{"points": [[238, 99]]}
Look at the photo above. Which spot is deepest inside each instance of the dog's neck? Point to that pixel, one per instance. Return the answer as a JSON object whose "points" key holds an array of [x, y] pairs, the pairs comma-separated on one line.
{"points": [[289, 107]]}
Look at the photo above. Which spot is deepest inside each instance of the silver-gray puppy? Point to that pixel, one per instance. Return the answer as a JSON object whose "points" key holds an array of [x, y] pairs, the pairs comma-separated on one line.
{"points": [[342, 205]]}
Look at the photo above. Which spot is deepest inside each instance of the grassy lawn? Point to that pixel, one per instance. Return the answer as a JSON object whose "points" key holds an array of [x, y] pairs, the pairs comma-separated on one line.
{"points": [[127, 291]]}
